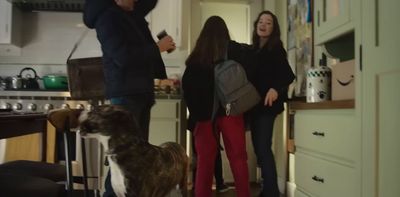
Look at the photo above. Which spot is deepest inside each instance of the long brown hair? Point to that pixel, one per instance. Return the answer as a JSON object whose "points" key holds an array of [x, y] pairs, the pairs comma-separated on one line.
{"points": [[212, 44], [275, 37]]}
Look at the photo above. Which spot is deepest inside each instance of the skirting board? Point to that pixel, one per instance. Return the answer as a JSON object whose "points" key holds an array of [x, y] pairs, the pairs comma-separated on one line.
{"points": [[290, 188], [281, 185]]}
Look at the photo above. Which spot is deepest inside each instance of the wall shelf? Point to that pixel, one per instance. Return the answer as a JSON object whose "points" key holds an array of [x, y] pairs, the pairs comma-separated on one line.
{"points": [[301, 105]]}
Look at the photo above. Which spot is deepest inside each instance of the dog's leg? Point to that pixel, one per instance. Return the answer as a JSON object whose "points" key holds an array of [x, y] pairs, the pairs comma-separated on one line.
{"points": [[183, 187], [183, 183], [117, 179]]}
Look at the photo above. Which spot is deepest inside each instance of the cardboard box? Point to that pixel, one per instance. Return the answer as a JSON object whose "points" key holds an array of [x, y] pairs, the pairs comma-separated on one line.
{"points": [[343, 80]]}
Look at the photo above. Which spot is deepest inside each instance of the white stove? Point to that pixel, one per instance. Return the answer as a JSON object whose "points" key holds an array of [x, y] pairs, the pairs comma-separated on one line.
{"points": [[39, 101]]}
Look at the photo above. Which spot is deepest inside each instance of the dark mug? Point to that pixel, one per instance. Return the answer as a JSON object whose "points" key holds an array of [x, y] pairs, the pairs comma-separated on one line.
{"points": [[161, 35]]}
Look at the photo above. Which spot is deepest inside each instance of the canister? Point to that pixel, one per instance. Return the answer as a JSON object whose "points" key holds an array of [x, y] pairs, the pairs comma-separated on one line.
{"points": [[318, 84]]}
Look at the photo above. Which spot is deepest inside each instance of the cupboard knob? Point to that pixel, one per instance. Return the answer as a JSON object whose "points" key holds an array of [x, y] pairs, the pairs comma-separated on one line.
{"points": [[48, 107], [17, 106], [32, 107], [316, 133], [318, 179], [6, 106]]}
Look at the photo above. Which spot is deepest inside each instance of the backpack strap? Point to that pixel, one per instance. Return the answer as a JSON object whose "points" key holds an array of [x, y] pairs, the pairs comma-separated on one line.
{"points": [[216, 106]]}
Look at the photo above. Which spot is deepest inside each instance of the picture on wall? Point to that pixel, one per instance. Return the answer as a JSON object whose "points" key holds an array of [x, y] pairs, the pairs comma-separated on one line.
{"points": [[300, 47]]}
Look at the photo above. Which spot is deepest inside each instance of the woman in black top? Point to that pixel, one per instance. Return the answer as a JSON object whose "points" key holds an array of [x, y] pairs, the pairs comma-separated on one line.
{"points": [[198, 89], [271, 75]]}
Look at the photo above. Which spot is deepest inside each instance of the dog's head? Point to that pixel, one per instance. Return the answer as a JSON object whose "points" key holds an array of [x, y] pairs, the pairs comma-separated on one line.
{"points": [[107, 120]]}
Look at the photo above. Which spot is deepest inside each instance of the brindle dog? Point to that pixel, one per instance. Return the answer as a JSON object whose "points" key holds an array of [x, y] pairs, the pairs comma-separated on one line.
{"points": [[138, 168]]}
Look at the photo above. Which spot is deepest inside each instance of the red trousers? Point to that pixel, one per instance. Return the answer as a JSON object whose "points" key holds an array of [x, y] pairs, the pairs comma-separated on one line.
{"points": [[233, 135]]}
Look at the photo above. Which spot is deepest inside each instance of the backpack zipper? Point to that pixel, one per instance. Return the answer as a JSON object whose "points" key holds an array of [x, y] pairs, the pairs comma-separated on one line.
{"points": [[228, 109]]}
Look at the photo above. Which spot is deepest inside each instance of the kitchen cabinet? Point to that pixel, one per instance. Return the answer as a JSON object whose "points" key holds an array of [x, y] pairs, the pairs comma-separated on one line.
{"points": [[229, 1], [380, 67], [10, 37], [167, 15], [372, 159], [168, 120], [333, 18], [327, 152]]}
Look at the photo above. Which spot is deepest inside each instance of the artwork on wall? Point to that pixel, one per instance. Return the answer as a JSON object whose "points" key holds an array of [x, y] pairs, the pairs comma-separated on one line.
{"points": [[300, 47]]}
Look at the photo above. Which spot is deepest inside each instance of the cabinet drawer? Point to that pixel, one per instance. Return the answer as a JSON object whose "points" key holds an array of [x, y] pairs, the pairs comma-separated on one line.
{"points": [[322, 178], [161, 131], [330, 132], [165, 109], [298, 193]]}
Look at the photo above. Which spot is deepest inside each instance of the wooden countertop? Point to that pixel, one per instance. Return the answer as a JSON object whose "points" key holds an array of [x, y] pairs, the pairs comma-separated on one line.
{"points": [[302, 105]]}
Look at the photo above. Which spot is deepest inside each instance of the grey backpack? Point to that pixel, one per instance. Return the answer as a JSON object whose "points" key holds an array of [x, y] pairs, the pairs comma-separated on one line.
{"points": [[232, 89]]}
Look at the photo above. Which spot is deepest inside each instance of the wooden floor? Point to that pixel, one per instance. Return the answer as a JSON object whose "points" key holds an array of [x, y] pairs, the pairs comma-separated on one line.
{"points": [[255, 190]]}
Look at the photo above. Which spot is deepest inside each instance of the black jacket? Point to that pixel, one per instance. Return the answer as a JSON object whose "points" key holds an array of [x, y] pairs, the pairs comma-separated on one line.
{"points": [[270, 69], [130, 55], [198, 85]]}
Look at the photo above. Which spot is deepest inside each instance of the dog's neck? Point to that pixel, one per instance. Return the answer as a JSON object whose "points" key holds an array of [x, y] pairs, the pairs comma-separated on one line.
{"points": [[104, 141]]}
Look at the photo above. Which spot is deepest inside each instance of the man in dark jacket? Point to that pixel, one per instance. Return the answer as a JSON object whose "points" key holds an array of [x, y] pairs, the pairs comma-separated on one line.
{"points": [[131, 57]]}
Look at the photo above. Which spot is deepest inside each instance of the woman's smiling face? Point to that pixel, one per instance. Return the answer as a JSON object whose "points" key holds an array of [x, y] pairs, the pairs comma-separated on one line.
{"points": [[265, 26]]}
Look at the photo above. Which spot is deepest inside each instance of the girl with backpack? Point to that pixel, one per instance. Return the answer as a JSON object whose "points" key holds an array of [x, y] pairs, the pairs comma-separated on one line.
{"points": [[198, 89]]}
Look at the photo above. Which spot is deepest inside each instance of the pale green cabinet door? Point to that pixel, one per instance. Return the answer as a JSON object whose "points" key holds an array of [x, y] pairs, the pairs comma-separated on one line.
{"points": [[298, 193], [332, 18], [5, 22], [162, 131], [380, 97]]}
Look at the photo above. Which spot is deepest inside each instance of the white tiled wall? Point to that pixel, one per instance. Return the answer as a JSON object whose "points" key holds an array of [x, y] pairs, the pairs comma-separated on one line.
{"points": [[48, 38]]}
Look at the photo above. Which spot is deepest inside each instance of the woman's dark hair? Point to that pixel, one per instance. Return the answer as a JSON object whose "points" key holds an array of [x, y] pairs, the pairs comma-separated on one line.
{"points": [[212, 44], [275, 37]]}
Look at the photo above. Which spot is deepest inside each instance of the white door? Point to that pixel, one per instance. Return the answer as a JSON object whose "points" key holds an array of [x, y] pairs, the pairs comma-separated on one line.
{"points": [[235, 15], [167, 15], [380, 98]]}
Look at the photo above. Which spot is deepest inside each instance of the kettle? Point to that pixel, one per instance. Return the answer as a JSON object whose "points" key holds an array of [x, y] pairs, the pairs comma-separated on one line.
{"points": [[29, 82]]}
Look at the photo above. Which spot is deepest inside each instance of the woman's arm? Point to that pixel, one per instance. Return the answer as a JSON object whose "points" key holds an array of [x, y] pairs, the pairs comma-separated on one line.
{"points": [[143, 7], [244, 54], [283, 69]]}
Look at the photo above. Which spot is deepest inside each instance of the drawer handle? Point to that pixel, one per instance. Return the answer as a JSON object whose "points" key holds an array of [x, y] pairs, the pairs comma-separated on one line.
{"points": [[318, 179], [316, 133]]}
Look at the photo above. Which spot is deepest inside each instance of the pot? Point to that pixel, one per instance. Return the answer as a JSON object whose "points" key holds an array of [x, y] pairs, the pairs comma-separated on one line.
{"points": [[14, 82], [28, 82], [55, 82], [3, 84]]}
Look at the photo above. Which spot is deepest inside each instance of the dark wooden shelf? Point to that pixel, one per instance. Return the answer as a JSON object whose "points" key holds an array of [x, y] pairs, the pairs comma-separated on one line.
{"points": [[301, 105]]}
